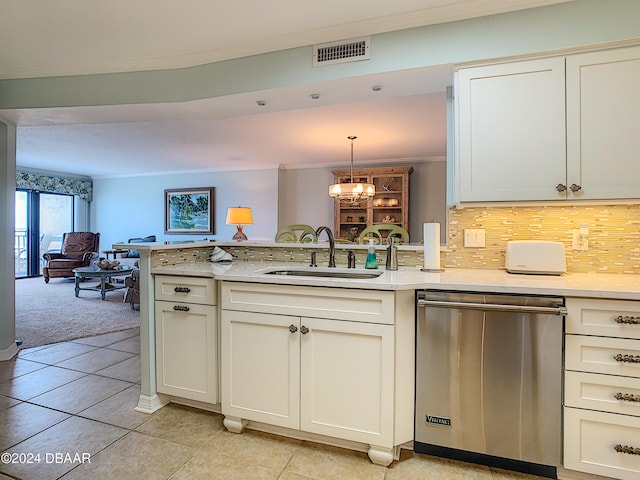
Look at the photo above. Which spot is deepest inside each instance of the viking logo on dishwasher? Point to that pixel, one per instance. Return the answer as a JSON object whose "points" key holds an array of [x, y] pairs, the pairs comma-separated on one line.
{"points": [[443, 421]]}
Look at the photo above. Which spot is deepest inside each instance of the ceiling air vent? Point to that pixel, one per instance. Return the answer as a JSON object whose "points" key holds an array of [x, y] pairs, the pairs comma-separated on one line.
{"points": [[343, 51]]}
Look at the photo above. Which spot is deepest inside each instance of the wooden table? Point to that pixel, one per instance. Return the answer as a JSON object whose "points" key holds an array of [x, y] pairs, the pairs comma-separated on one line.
{"points": [[104, 286]]}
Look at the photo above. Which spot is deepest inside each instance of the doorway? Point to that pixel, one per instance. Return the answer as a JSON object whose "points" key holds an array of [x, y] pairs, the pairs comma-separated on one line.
{"points": [[41, 220]]}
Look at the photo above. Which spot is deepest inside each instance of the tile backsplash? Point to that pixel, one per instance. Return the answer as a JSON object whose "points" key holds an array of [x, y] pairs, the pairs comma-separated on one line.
{"points": [[614, 235], [614, 240]]}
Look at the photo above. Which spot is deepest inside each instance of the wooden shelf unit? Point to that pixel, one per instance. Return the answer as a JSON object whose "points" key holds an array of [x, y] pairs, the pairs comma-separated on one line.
{"points": [[389, 205]]}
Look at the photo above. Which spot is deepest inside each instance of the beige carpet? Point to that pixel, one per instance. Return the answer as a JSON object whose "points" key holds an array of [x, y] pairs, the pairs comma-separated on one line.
{"points": [[50, 313]]}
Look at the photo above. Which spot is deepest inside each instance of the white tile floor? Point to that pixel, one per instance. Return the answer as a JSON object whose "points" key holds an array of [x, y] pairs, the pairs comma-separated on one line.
{"points": [[66, 411]]}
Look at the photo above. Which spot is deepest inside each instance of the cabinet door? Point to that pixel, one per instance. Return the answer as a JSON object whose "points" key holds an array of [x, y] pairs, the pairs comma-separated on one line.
{"points": [[511, 131], [261, 367], [346, 380], [186, 355], [603, 114]]}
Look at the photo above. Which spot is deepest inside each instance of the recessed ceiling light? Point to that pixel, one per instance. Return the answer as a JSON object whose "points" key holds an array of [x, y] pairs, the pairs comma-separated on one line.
{"points": [[376, 88], [262, 103], [315, 96]]}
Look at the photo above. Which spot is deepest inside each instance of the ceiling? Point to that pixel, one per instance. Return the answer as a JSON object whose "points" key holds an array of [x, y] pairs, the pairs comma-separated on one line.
{"points": [[404, 120]]}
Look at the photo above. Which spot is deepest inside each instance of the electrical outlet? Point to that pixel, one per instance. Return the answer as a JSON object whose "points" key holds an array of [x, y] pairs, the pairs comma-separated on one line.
{"points": [[474, 237], [580, 240]]}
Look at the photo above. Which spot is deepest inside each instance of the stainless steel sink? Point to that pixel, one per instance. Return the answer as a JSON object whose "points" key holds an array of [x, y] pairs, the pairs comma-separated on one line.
{"points": [[327, 273]]}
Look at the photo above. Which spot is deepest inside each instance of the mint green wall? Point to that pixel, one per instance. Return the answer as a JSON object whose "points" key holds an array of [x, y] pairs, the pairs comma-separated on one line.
{"points": [[124, 208], [581, 22]]}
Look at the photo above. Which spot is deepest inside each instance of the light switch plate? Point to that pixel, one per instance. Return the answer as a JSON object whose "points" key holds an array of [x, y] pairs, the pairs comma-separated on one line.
{"points": [[474, 237]]}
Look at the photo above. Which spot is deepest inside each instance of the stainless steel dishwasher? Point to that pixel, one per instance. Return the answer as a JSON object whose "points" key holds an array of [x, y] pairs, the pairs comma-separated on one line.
{"points": [[489, 379]]}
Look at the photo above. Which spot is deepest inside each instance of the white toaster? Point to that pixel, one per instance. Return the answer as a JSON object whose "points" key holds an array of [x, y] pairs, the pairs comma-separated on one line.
{"points": [[535, 257]]}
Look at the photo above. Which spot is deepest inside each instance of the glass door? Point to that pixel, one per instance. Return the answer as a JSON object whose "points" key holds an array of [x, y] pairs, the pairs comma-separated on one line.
{"points": [[41, 220], [55, 218], [21, 253]]}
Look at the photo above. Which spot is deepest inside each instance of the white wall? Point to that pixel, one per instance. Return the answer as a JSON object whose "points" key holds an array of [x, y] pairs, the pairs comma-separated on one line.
{"points": [[7, 223], [304, 197], [428, 198], [123, 208]]}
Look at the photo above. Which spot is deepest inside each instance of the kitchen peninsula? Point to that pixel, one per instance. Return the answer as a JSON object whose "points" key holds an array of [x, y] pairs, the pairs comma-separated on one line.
{"points": [[375, 311]]}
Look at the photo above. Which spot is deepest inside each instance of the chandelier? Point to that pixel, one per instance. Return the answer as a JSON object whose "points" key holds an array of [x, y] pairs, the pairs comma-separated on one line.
{"points": [[351, 193]]}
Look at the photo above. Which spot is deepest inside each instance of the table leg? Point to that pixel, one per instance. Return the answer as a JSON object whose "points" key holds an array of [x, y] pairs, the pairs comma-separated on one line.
{"points": [[77, 285], [102, 285]]}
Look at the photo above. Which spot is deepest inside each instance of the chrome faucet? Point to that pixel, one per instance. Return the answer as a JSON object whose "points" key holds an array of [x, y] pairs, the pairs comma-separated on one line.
{"points": [[332, 245]]}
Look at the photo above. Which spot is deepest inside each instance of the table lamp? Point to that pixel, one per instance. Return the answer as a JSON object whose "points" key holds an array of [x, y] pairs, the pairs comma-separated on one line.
{"points": [[239, 216]]}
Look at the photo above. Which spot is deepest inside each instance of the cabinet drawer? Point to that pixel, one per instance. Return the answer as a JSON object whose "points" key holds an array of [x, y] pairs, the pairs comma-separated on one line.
{"points": [[609, 318], [372, 306], [613, 356], [590, 440], [174, 288], [607, 393]]}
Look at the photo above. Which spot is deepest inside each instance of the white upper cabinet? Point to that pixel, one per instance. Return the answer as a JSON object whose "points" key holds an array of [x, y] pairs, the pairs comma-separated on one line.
{"points": [[514, 142], [603, 123], [511, 121]]}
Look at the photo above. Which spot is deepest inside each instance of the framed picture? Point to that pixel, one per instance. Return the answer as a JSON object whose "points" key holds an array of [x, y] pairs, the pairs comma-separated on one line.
{"points": [[189, 211]]}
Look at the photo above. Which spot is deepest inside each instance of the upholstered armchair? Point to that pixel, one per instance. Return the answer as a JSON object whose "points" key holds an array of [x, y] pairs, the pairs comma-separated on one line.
{"points": [[79, 249]]}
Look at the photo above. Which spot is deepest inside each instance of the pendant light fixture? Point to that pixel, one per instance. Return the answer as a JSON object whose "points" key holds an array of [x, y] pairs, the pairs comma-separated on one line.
{"points": [[351, 193]]}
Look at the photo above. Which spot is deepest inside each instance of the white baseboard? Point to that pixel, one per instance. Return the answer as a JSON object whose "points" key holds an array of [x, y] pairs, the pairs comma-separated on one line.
{"points": [[151, 404], [9, 352]]}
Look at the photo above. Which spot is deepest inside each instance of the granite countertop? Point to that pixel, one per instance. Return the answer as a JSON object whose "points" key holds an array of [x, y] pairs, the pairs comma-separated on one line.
{"points": [[616, 286]]}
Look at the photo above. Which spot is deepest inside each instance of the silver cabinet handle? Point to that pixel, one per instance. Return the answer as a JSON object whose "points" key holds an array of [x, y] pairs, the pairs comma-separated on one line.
{"points": [[627, 397], [181, 308], [627, 320], [293, 328], [627, 358], [561, 188], [626, 449], [575, 188], [304, 330], [182, 289], [559, 310]]}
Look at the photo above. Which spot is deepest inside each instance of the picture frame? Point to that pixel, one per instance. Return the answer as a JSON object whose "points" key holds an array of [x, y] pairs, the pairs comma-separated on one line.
{"points": [[189, 211]]}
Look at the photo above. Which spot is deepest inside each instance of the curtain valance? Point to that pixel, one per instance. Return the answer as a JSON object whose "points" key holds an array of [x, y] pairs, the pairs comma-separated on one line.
{"points": [[44, 183]]}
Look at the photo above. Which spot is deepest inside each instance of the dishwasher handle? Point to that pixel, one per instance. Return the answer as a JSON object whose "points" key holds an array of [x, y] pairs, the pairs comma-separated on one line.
{"points": [[557, 310]]}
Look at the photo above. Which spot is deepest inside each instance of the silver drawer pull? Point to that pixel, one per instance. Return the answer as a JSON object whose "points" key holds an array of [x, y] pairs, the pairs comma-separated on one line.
{"points": [[627, 320], [304, 330], [627, 397], [181, 308], [293, 328], [182, 289], [626, 449], [627, 358]]}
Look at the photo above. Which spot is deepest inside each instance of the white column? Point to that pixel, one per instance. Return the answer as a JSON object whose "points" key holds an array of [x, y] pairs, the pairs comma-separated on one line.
{"points": [[7, 226]]}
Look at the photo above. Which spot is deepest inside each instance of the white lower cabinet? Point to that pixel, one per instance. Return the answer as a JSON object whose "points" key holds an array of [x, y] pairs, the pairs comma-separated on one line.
{"points": [[325, 376], [261, 368], [602, 388], [602, 443], [186, 338], [346, 369]]}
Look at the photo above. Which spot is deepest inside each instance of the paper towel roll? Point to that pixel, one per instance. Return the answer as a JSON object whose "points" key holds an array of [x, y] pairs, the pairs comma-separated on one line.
{"points": [[431, 239]]}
